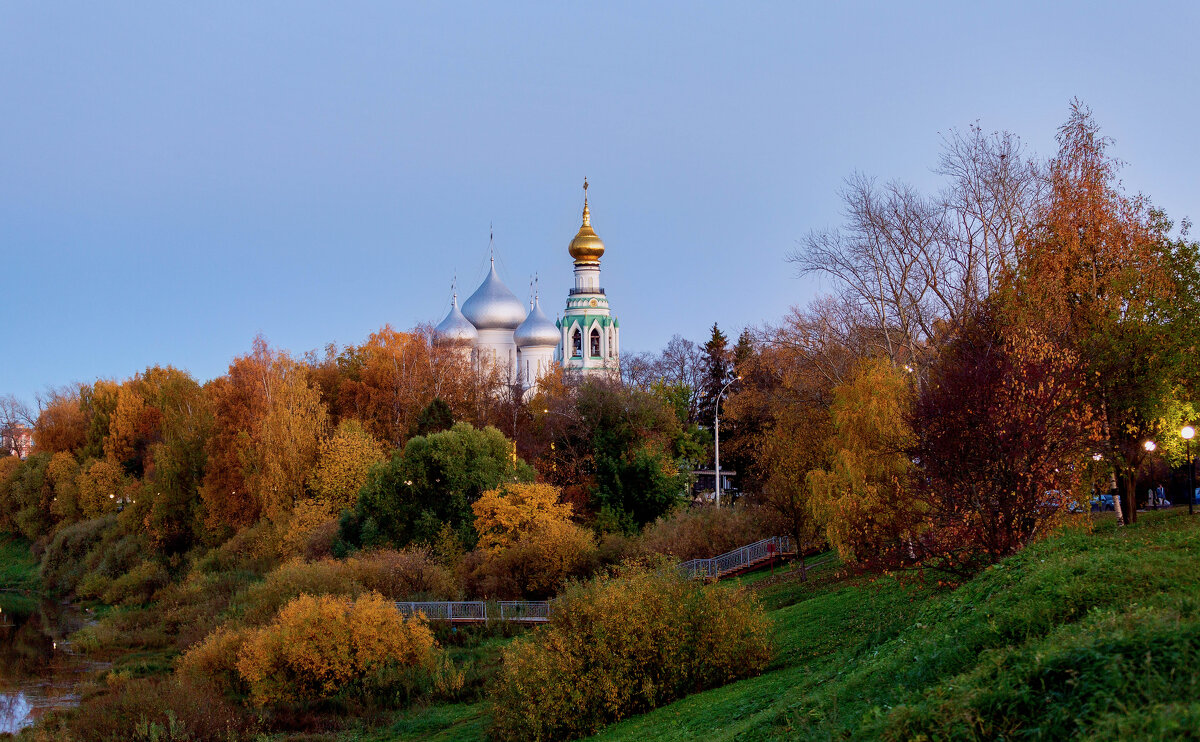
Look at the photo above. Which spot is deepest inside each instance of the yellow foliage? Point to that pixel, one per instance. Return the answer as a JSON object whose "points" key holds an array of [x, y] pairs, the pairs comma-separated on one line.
{"points": [[259, 602], [319, 646], [289, 437], [615, 648], [127, 425], [862, 496], [342, 466], [306, 516], [213, 662], [99, 485], [504, 515], [64, 472], [410, 574]]}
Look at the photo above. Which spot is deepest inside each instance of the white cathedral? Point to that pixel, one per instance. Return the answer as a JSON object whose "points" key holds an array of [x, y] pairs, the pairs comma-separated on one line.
{"points": [[495, 329]]}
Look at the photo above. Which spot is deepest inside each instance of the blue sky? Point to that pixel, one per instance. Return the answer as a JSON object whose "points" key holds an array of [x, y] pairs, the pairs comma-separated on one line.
{"points": [[176, 178]]}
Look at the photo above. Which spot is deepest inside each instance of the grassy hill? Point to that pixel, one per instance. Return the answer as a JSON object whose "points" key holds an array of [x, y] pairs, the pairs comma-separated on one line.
{"points": [[1090, 634]]}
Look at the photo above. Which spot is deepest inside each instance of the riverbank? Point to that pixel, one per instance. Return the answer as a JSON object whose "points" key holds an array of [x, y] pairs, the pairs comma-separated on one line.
{"points": [[18, 568]]}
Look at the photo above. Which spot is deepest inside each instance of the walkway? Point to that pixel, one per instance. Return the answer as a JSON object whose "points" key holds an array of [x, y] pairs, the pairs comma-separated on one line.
{"points": [[747, 558]]}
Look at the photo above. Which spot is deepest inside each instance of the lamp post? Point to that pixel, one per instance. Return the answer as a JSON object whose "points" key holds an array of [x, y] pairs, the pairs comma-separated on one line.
{"points": [[1150, 446], [1188, 432], [717, 436]]}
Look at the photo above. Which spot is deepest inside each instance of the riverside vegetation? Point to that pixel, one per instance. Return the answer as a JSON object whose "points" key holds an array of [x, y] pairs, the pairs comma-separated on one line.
{"points": [[992, 355]]}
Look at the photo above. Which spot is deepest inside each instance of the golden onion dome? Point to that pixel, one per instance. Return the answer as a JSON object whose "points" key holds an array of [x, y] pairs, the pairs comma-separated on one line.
{"points": [[587, 247]]}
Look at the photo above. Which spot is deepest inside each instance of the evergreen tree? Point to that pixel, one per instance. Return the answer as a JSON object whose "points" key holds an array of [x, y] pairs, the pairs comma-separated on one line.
{"points": [[718, 370], [436, 417]]}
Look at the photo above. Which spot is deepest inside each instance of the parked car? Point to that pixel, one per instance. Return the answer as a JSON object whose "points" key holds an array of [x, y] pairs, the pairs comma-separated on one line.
{"points": [[1103, 503]]}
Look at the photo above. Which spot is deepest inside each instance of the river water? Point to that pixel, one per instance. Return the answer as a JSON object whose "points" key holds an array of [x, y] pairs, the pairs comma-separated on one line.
{"points": [[39, 670]]}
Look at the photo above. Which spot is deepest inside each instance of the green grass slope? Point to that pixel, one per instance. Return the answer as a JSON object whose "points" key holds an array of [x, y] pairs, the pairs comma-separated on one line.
{"points": [[1087, 635]]}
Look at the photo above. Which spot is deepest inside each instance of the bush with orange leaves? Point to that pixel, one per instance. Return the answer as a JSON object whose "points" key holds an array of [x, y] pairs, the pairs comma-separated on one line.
{"points": [[528, 544], [319, 647], [618, 647]]}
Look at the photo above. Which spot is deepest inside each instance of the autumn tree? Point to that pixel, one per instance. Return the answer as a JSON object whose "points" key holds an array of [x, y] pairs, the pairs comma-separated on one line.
{"points": [[289, 435], [100, 485], [133, 428], [239, 403], [1100, 275], [61, 424], [530, 544], [864, 494], [342, 467], [178, 458], [98, 402], [389, 380], [64, 474], [1003, 433], [268, 423], [505, 514]]}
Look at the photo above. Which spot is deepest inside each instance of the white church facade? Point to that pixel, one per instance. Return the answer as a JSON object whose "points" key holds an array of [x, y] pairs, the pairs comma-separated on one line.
{"points": [[499, 333]]}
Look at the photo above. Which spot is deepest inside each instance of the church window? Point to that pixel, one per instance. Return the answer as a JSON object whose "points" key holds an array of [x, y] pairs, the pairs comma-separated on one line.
{"points": [[595, 343], [576, 343]]}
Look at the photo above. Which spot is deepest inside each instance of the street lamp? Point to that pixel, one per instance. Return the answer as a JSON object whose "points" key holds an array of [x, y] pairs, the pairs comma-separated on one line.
{"points": [[717, 436], [1188, 432], [1150, 446]]}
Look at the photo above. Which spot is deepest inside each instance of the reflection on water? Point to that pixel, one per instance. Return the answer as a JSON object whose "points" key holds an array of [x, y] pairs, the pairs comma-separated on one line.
{"points": [[39, 670]]}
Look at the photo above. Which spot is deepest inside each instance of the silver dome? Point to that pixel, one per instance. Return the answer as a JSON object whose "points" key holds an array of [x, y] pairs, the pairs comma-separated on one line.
{"points": [[455, 328], [493, 306], [537, 330]]}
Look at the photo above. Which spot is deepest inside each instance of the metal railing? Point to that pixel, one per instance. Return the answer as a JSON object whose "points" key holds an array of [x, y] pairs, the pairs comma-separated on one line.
{"points": [[476, 611], [538, 611], [737, 559]]}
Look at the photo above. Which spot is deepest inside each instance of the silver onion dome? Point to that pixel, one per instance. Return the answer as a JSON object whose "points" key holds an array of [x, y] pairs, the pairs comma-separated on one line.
{"points": [[493, 306], [537, 331], [455, 328]]}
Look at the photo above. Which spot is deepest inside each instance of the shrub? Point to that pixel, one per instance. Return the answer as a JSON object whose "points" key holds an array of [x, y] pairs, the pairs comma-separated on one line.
{"points": [[306, 517], [536, 565], [699, 533], [213, 662], [618, 647], [409, 574], [63, 563], [254, 549], [138, 585], [159, 710], [317, 647], [191, 609], [260, 602]]}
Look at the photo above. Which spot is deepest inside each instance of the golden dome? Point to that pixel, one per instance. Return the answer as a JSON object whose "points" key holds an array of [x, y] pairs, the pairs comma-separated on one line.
{"points": [[587, 247]]}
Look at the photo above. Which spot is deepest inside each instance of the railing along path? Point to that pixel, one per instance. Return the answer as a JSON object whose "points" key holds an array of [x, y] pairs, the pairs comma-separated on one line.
{"points": [[538, 611], [738, 560], [476, 611]]}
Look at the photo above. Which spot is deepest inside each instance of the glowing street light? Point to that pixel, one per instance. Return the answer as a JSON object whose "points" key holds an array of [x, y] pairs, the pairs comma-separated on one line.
{"points": [[1188, 433], [1149, 446]]}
